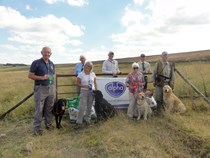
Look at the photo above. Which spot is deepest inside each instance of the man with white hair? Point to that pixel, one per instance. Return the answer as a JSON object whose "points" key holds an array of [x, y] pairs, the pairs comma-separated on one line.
{"points": [[163, 75], [79, 68], [42, 72], [110, 66]]}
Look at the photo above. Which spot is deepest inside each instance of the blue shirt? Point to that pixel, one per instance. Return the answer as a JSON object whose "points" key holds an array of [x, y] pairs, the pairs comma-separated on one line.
{"points": [[78, 68], [40, 68]]}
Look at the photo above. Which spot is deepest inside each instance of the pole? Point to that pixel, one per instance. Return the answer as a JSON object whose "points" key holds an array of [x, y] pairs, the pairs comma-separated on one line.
{"points": [[14, 107], [193, 87]]}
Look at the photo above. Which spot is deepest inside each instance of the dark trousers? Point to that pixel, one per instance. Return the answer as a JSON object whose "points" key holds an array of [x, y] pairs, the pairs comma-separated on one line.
{"points": [[145, 80]]}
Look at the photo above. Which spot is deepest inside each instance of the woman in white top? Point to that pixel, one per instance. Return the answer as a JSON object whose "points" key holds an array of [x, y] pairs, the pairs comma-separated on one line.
{"points": [[86, 80]]}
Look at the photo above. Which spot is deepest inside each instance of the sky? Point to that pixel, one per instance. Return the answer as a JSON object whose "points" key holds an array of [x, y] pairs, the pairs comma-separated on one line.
{"points": [[94, 27]]}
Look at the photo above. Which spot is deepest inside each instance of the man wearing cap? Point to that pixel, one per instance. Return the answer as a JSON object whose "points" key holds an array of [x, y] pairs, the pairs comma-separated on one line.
{"points": [[144, 67], [110, 66], [163, 75], [79, 68]]}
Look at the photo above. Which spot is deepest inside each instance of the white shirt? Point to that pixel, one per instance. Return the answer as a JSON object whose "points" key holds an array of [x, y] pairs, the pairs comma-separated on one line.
{"points": [[87, 79], [146, 66], [110, 66]]}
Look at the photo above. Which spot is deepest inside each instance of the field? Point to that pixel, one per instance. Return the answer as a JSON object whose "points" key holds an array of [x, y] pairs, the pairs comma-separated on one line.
{"points": [[168, 136]]}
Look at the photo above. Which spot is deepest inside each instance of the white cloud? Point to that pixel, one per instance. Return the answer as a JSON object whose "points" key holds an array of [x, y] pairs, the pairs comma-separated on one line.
{"points": [[53, 1], [34, 33], [103, 47], [139, 2], [7, 46], [27, 7], [78, 3], [75, 42], [164, 25], [131, 16]]}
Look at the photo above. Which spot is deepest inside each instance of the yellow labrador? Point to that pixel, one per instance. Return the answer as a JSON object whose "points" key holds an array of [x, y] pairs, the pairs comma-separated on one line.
{"points": [[172, 102], [143, 107]]}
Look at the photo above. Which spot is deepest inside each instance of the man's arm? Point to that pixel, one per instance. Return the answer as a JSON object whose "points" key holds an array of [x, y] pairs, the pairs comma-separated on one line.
{"points": [[32, 76], [149, 68], [76, 70], [118, 70]]}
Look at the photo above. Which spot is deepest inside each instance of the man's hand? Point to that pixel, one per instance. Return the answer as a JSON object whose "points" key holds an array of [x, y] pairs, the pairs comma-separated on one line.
{"points": [[45, 77], [114, 73]]}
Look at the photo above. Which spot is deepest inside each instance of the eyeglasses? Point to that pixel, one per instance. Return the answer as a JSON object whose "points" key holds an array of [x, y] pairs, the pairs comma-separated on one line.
{"points": [[135, 68]]}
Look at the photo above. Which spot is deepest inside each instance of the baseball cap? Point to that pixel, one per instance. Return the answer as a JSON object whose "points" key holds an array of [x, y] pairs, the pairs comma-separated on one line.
{"points": [[164, 53], [142, 55]]}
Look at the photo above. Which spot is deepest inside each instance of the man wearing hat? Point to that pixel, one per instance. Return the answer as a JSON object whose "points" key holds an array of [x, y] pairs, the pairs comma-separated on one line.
{"points": [[163, 75], [144, 67], [110, 66]]}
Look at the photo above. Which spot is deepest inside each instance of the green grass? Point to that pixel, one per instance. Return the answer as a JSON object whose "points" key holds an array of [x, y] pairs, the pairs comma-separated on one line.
{"points": [[169, 136]]}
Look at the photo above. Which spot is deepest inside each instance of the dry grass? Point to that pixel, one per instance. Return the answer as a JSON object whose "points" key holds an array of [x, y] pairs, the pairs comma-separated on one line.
{"points": [[169, 136]]}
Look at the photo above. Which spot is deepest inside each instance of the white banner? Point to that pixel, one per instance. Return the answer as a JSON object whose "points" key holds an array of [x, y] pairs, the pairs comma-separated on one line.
{"points": [[114, 91]]}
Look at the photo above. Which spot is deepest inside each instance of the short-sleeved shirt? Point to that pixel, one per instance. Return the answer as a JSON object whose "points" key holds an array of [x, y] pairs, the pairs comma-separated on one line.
{"points": [[136, 81], [78, 68], [40, 68], [87, 79], [147, 68]]}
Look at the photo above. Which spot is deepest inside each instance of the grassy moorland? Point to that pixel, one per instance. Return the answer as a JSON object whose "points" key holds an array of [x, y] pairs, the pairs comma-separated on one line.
{"points": [[169, 136]]}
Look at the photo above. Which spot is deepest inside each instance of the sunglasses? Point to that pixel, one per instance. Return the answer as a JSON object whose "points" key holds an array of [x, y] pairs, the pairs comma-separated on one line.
{"points": [[135, 68]]}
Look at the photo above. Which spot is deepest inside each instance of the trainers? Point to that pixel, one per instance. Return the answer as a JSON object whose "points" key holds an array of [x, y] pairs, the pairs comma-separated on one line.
{"points": [[50, 127], [78, 126]]}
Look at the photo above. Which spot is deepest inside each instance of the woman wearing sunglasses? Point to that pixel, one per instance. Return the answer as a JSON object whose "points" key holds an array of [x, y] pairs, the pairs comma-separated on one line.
{"points": [[135, 83]]}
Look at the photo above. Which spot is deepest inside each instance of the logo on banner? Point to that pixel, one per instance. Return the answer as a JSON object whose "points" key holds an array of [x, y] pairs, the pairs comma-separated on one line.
{"points": [[115, 89]]}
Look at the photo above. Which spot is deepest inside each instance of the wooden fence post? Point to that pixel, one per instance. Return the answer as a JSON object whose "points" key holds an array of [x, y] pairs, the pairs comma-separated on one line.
{"points": [[14, 107], [192, 86]]}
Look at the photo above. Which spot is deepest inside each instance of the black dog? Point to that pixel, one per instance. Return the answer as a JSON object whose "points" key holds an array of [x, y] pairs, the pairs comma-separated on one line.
{"points": [[58, 111], [103, 108]]}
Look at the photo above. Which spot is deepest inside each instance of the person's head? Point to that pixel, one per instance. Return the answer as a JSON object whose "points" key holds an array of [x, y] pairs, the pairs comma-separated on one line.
{"points": [[88, 67], [46, 53], [164, 56], [82, 59], [142, 57], [135, 67], [111, 55]]}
